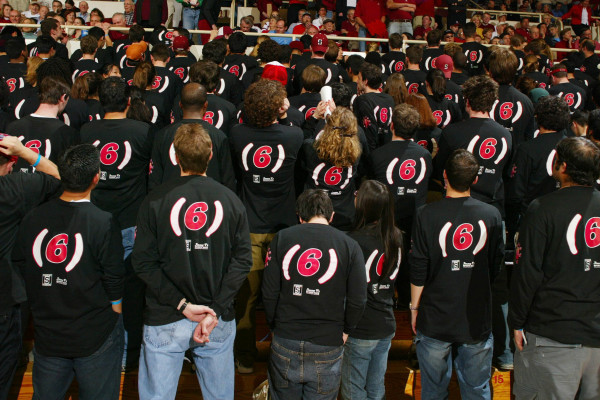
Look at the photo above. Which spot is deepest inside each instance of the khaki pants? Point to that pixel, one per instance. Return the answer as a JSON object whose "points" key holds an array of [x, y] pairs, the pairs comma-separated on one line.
{"points": [[244, 349]]}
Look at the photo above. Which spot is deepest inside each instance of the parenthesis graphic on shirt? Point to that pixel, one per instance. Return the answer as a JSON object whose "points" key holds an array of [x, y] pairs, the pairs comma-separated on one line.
{"points": [[172, 154], [56, 249], [550, 162], [195, 217]]}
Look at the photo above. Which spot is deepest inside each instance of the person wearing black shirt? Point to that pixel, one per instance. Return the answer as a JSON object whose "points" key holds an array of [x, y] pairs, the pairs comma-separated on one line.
{"points": [[330, 162], [373, 109], [19, 193], [230, 87], [488, 141], [103, 55], [445, 110], [513, 110], [554, 299], [572, 94], [265, 154], [314, 293], [70, 256], [182, 59], [193, 252], [432, 51], [13, 72], [319, 46], [367, 346], [164, 162], [456, 253], [42, 131], [474, 51], [591, 63], [313, 79], [50, 27], [237, 62], [87, 63], [394, 60], [413, 76], [166, 83]]}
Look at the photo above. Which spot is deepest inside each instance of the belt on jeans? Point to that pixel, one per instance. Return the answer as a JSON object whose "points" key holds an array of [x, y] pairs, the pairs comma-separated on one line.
{"points": [[401, 20]]}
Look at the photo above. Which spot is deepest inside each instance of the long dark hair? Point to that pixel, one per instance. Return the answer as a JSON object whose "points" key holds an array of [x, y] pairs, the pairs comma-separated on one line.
{"points": [[437, 83], [375, 206]]}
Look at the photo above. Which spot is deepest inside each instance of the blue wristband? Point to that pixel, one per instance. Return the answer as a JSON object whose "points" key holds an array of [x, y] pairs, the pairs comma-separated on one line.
{"points": [[114, 303], [37, 161]]}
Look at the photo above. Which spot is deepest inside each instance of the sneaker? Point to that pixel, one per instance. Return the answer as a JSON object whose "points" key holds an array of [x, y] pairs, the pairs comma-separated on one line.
{"points": [[243, 369], [503, 366]]}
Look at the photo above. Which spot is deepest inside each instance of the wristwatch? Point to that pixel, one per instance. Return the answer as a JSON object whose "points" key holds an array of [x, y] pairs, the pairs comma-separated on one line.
{"points": [[183, 306], [412, 308]]}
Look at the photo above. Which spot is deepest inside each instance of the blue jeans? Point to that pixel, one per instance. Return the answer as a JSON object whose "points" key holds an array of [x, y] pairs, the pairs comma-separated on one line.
{"points": [[363, 368], [473, 363], [303, 370], [362, 32], [162, 355], [400, 27], [98, 375], [191, 17]]}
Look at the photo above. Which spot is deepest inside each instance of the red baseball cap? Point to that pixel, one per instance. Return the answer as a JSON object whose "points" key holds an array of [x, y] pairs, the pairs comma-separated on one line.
{"points": [[181, 43], [445, 64], [320, 43], [275, 72]]}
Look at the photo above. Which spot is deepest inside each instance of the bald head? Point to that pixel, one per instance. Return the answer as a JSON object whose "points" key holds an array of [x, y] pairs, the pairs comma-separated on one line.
{"points": [[193, 98]]}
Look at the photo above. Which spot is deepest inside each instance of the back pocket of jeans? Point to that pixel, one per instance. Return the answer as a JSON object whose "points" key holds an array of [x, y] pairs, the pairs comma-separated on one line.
{"points": [[159, 336], [222, 331], [329, 374], [278, 369]]}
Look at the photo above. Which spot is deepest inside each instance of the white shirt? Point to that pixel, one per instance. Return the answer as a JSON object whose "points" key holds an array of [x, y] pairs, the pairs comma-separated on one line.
{"points": [[584, 17]]}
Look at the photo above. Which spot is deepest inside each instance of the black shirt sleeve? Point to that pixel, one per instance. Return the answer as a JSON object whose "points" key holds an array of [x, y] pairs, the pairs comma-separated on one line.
{"points": [[356, 289], [271, 285]]}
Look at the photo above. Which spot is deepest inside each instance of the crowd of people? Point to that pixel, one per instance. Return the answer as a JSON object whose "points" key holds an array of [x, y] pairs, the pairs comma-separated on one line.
{"points": [[152, 201]]}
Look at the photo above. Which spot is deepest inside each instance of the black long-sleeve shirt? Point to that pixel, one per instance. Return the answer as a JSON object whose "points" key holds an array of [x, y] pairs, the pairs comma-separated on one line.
{"points": [[378, 320], [491, 144], [125, 146], [456, 252], [374, 114], [192, 242], [514, 111], [164, 163], [314, 284], [19, 193], [555, 288], [71, 258]]}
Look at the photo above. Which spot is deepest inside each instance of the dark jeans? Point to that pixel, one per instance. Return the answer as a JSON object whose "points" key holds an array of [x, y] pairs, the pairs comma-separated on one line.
{"points": [[303, 370], [10, 347], [98, 375]]}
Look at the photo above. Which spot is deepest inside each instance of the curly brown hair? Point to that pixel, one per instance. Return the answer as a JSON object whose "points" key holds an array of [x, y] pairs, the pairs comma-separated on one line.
{"points": [[339, 144], [395, 86], [480, 92], [262, 102]]}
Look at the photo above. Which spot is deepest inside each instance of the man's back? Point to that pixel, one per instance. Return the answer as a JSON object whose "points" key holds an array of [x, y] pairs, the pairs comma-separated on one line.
{"points": [[314, 284], [491, 144], [574, 96], [239, 64], [559, 242], [266, 158], [374, 114], [514, 111], [393, 61], [194, 231], [456, 252], [125, 148], [46, 135], [70, 256]]}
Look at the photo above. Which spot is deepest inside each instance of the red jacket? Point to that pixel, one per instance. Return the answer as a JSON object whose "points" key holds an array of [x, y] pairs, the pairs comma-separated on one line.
{"points": [[575, 14]]}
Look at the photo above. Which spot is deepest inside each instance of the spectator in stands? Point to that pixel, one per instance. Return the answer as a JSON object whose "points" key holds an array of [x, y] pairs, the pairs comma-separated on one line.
{"points": [[553, 36], [33, 11], [298, 19], [92, 301], [83, 11], [542, 318], [566, 42], [118, 20], [453, 327], [580, 15], [269, 199], [57, 6], [281, 27], [350, 26], [321, 17], [523, 29], [399, 15], [294, 9], [151, 13], [368, 13], [558, 10], [191, 13], [421, 31], [586, 34], [128, 7], [43, 12]]}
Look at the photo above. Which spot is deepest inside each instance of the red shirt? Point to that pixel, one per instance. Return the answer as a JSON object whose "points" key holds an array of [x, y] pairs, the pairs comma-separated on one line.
{"points": [[427, 7], [370, 10], [399, 14], [524, 33], [352, 32], [561, 45], [420, 31]]}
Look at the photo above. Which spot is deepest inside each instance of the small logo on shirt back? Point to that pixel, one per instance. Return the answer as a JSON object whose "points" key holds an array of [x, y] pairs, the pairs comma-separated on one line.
{"points": [[400, 191], [297, 290], [455, 265], [256, 178], [188, 245], [46, 279], [201, 246], [60, 281], [102, 175], [587, 264]]}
